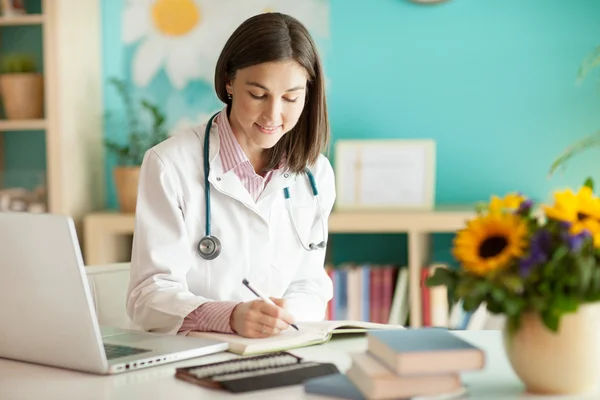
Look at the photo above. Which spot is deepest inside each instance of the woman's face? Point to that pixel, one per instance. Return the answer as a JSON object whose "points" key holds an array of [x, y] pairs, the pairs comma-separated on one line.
{"points": [[267, 100]]}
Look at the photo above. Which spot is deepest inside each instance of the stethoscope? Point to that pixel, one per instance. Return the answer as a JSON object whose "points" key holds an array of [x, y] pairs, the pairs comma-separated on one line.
{"points": [[209, 247]]}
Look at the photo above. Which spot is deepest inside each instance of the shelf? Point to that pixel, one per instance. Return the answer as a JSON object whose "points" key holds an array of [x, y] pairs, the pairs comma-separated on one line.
{"points": [[443, 219], [23, 125], [447, 219], [20, 20]]}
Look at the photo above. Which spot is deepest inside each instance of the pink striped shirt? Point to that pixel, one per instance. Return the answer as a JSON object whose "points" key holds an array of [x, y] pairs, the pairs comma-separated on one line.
{"points": [[214, 316]]}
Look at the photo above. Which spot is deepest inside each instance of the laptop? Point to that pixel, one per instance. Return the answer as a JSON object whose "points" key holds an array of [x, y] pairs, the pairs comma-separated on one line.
{"points": [[47, 314]]}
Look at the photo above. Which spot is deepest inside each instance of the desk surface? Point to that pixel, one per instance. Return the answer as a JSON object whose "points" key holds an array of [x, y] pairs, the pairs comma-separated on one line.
{"points": [[27, 381]]}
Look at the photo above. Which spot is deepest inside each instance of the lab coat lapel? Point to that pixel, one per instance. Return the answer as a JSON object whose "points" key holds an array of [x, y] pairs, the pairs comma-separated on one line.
{"points": [[230, 185], [227, 183], [274, 191]]}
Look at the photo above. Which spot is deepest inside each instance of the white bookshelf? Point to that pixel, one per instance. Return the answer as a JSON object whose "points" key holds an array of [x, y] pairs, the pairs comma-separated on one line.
{"points": [[103, 237], [23, 20], [47, 123], [23, 125], [72, 125]]}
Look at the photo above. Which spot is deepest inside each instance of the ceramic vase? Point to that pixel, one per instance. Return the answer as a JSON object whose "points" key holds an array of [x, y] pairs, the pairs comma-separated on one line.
{"points": [[22, 95], [126, 182], [557, 363]]}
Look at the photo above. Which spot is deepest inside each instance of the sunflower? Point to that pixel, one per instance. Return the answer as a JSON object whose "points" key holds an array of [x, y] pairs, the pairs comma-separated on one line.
{"points": [[510, 202], [489, 242], [580, 210]]}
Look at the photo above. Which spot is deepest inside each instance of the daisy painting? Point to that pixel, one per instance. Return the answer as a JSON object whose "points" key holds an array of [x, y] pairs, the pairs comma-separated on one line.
{"points": [[184, 37]]}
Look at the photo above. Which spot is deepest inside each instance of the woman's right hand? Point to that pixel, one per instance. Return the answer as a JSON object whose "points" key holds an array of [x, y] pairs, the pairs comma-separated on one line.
{"points": [[259, 319]]}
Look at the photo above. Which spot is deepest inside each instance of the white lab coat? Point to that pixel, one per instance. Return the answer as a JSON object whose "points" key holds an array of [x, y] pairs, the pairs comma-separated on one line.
{"points": [[168, 277]]}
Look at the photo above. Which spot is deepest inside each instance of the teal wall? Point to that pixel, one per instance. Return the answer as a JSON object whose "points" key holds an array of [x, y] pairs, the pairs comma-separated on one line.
{"points": [[493, 82]]}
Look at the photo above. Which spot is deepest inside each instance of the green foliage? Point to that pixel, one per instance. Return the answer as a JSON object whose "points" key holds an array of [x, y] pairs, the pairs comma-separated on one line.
{"points": [[592, 140], [16, 63], [566, 276], [138, 139]]}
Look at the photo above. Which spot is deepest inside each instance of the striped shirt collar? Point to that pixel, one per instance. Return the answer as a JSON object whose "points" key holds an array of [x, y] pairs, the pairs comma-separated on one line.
{"points": [[231, 152], [232, 155]]}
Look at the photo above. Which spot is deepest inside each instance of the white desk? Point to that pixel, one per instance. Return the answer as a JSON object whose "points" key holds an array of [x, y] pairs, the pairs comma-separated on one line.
{"points": [[27, 381]]}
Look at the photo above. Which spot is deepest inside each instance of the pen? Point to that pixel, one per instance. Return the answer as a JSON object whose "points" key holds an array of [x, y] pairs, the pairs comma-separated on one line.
{"points": [[263, 297]]}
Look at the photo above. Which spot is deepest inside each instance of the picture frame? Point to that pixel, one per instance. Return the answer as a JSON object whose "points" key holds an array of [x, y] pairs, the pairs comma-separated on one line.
{"points": [[385, 174]]}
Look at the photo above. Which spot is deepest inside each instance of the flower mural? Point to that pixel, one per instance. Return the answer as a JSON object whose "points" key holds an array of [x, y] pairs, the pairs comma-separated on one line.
{"points": [[181, 36], [185, 37]]}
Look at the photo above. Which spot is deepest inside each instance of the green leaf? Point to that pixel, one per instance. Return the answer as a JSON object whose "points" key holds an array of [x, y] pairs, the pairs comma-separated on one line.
{"points": [[512, 283], [585, 268], [482, 287], [465, 285], [513, 305], [471, 303], [139, 139], [481, 207], [513, 323], [17, 63], [551, 320], [565, 304], [495, 307], [538, 303], [578, 147], [498, 294], [557, 257], [596, 280], [589, 182], [544, 288], [442, 276], [591, 61]]}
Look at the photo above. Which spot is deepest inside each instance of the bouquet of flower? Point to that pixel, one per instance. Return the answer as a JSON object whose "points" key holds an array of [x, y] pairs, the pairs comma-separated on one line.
{"points": [[515, 257]]}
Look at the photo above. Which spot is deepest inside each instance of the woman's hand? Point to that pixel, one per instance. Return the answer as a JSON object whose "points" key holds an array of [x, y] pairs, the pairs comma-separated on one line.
{"points": [[258, 319]]}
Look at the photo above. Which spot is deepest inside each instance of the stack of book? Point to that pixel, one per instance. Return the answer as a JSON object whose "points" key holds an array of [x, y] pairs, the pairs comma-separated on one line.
{"points": [[413, 362]]}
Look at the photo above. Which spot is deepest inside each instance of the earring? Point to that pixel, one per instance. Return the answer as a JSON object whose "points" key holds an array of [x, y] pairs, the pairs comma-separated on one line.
{"points": [[229, 95]]}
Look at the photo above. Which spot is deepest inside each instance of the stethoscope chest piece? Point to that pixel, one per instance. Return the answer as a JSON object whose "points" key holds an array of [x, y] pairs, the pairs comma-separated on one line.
{"points": [[209, 247]]}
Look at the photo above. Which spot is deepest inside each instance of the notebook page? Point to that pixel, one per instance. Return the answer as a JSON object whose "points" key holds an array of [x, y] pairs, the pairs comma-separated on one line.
{"points": [[345, 326], [290, 338]]}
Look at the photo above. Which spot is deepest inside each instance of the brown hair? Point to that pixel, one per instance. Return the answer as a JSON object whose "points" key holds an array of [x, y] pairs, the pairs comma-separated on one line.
{"points": [[274, 37]]}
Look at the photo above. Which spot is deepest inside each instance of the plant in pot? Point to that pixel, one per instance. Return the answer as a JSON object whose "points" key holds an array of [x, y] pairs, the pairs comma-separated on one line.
{"points": [[539, 266], [22, 87], [130, 153]]}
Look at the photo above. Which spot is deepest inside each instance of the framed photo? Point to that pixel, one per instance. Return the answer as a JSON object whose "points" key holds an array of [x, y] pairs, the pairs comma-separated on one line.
{"points": [[392, 174]]}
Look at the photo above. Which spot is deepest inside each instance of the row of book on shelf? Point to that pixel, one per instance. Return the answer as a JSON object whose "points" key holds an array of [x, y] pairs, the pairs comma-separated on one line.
{"points": [[380, 293]]}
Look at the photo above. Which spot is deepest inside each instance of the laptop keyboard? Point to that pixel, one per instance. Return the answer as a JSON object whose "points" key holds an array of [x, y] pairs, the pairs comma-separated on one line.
{"points": [[116, 351]]}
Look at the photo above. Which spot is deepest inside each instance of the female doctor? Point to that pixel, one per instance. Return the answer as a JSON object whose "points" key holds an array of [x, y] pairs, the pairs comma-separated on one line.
{"points": [[245, 196]]}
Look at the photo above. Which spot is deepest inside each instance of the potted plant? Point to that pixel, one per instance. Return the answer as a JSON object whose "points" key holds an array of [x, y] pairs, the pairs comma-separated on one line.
{"points": [[22, 87], [540, 268], [130, 154]]}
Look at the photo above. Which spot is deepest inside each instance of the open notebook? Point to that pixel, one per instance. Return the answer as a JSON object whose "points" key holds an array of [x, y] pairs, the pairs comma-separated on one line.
{"points": [[309, 333]]}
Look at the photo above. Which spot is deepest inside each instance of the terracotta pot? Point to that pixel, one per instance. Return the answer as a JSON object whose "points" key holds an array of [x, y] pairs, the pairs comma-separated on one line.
{"points": [[126, 185], [22, 95], [563, 362]]}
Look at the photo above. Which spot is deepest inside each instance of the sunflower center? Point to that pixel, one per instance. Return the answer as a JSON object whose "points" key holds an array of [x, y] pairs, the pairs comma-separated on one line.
{"points": [[492, 246], [581, 216], [175, 17]]}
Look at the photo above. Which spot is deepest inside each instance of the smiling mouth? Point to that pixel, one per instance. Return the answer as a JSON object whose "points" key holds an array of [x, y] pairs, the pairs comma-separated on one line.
{"points": [[268, 129]]}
